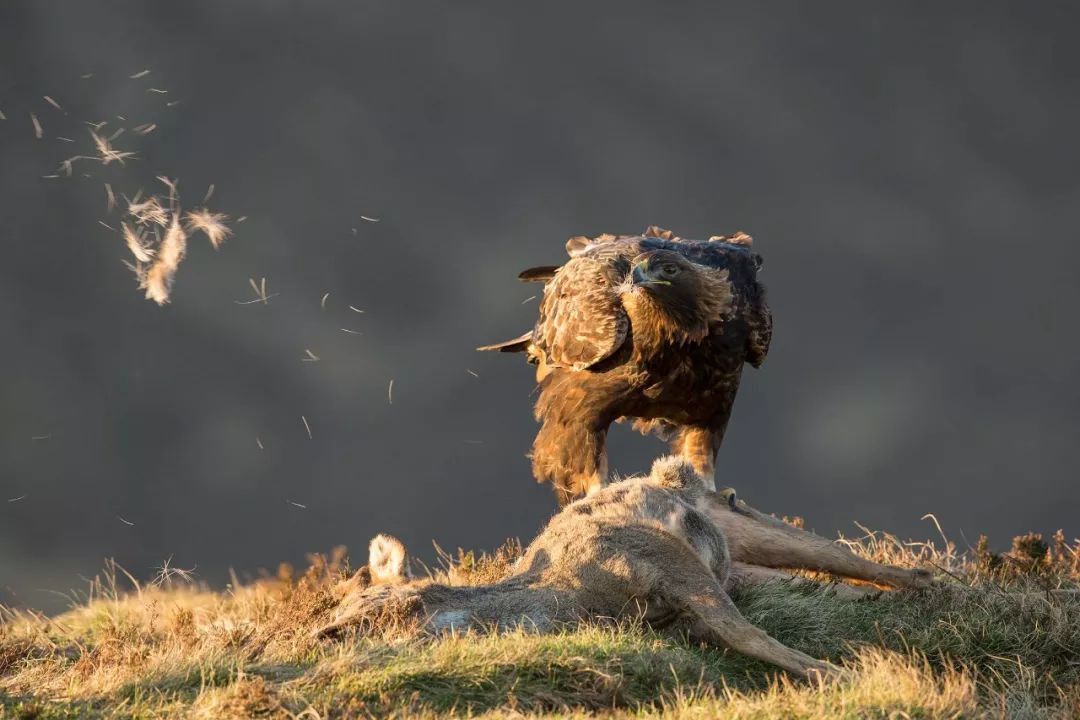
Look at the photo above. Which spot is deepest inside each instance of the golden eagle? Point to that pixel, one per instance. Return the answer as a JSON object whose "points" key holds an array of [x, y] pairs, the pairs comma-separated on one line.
{"points": [[652, 327]]}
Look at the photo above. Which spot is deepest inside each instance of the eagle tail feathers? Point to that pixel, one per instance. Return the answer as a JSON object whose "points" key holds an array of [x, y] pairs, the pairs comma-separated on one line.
{"points": [[541, 273], [518, 344]]}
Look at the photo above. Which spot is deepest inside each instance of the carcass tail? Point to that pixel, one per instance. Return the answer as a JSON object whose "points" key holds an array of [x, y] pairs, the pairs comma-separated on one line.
{"points": [[518, 344], [388, 561]]}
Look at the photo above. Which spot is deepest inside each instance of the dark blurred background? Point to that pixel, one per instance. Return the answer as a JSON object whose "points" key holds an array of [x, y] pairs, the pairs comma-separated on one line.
{"points": [[909, 173]]}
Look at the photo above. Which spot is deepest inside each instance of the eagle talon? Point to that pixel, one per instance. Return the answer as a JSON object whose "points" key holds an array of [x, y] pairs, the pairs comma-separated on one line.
{"points": [[729, 496]]}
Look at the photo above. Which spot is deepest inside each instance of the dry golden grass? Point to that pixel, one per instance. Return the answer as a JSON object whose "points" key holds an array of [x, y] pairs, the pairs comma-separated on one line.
{"points": [[991, 641]]}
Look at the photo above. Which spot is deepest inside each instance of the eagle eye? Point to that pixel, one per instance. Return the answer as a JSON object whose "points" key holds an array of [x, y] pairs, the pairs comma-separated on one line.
{"points": [[669, 268]]}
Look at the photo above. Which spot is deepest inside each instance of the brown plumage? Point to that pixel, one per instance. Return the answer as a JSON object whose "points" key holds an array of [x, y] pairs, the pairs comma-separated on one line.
{"points": [[651, 327]]}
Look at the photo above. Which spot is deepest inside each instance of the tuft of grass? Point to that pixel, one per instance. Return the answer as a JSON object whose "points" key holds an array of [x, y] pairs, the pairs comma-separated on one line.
{"points": [[993, 640]]}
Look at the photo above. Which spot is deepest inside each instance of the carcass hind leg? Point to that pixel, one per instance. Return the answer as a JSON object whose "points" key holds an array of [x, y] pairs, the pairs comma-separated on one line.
{"points": [[759, 539], [673, 573], [715, 619], [742, 575]]}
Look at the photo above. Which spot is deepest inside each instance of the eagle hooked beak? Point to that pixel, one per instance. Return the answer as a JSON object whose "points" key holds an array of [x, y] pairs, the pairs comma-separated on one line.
{"points": [[640, 275]]}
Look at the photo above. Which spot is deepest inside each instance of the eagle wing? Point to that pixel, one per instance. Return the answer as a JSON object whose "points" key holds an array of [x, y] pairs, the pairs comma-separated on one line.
{"points": [[582, 320], [759, 321]]}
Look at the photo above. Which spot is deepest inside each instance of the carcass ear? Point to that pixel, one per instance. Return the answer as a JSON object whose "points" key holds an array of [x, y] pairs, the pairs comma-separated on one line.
{"points": [[676, 473], [388, 561]]}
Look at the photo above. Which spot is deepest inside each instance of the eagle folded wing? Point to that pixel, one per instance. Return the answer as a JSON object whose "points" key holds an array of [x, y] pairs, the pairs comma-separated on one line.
{"points": [[759, 321], [582, 320]]}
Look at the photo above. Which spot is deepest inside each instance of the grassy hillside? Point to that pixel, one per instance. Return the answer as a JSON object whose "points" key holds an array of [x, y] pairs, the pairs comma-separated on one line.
{"points": [[993, 640]]}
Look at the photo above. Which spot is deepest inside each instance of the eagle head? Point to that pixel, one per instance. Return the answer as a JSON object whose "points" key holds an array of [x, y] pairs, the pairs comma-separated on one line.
{"points": [[685, 297], [663, 272]]}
